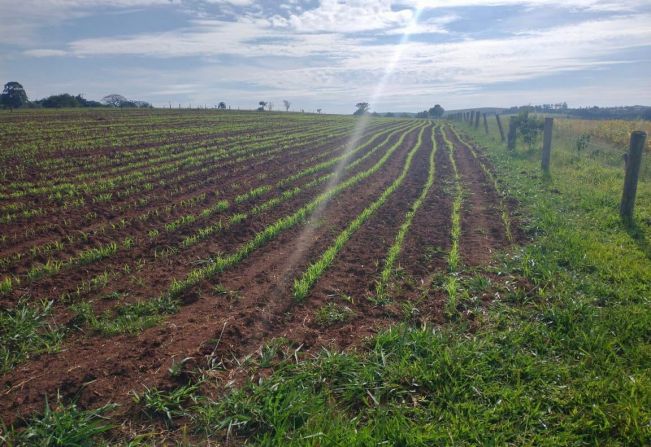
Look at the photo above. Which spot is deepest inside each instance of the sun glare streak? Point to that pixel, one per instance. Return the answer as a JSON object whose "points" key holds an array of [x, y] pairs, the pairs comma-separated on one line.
{"points": [[307, 237]]}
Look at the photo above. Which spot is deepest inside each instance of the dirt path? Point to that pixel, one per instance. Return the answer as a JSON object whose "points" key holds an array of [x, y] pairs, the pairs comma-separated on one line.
{"points": [[482, 229]]}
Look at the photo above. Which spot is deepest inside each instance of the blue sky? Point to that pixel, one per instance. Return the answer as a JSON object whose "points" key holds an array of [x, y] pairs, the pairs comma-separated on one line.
{"points": [[399, 55]]}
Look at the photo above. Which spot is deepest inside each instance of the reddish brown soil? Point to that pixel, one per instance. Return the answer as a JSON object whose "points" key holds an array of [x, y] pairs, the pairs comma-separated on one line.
{"points": [[224, 327], [482, 228]]}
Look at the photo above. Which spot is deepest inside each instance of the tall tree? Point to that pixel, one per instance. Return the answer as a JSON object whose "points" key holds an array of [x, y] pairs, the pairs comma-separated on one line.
{"points": [[436, 111], [13, 95], [115, 100], [287, 105], [362, 108], [221, 105]]}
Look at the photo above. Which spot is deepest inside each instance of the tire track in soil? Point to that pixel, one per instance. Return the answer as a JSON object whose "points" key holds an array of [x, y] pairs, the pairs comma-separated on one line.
{"points": [[100, 369], [482, 229]]}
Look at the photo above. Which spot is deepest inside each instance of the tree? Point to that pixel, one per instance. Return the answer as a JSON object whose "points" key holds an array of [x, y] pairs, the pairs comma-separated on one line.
{"points": [[142, 104], [262, 104], [436, 111], [60, 101], [287, 104], [318, 111], [115, 100], [530, 128], [221, 105], [13, 96], [362, 108]]}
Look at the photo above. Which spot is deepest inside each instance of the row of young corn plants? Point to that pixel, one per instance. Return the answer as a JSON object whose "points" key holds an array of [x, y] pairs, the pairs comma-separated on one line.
{"points": [[170, 160], [229, 222], [166, 156], [270, 232], [132, 157], [226, 261], [395, 249], [504, 210], [303, 284], [203, 171], [157, 137], [207, 231], [182, 180], [452, 281], [53, 267]]}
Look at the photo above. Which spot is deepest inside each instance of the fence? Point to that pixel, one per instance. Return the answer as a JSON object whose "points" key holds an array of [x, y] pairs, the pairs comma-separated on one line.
{"points": [[604, 143]]}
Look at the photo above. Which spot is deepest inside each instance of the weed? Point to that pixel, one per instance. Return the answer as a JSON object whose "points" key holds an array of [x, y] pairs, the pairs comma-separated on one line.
{"points": [[332, 313], [64, 425]]}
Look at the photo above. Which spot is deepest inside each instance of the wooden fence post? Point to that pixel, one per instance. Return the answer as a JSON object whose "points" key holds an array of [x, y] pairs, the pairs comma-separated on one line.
{"points": [[513, 133], [499, 126], [633, 162], [547, 144], [477, 119], [485, 124]]}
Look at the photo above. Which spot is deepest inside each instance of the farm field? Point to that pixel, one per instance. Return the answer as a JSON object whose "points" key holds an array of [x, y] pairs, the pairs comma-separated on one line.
{"points": [[137, 244]]}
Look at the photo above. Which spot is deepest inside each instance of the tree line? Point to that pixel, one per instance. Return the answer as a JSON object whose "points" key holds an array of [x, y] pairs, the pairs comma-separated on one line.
{"points": [[14, 96]]}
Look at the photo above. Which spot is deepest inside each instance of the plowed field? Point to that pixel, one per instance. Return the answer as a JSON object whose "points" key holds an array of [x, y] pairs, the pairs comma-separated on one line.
{"points": [[133, 240]]}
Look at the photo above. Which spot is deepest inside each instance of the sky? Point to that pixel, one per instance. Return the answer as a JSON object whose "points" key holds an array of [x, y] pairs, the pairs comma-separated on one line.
{"points": [[398, 55]]}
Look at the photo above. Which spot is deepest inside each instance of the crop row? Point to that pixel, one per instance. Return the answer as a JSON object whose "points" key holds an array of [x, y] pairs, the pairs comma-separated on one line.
{"points": [[151, 212], [451, 285], [222, 262], [109, 249], [396, 247], [307, 280], [504, 211]]}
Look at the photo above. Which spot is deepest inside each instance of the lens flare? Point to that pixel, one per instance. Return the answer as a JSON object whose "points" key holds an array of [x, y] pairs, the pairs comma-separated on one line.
{"points": [[307, 237]]}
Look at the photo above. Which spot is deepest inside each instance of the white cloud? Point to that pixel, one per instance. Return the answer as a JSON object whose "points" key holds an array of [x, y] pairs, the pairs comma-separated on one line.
{"points": [[44, 52], [337, 50]]}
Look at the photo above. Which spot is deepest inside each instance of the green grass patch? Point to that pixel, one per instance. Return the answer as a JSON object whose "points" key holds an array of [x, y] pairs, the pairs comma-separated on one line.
{"points": [[25, 331]]}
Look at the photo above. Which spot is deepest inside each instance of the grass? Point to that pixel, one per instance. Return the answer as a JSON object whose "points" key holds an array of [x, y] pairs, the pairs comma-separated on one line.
{"points": [[26, 331], [333, 313], [63, 425], [129, 318], [166, 404]]}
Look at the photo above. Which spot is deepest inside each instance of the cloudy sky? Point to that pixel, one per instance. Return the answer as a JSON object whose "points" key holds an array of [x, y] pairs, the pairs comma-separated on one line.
{"points": [[399, 55]]}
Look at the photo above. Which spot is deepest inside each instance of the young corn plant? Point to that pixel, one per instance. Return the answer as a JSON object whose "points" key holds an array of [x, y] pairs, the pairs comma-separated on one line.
{"points": [[453, 257], [395, 249], [221, 263], [303, 284]]}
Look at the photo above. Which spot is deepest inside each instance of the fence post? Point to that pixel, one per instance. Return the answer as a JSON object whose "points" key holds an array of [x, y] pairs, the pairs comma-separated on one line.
{"points": [[477, 119], [547, 143], [513, 129], [499, 126], [485, 123], [634, 160]]}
